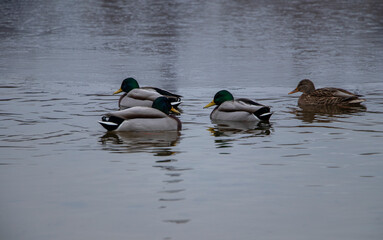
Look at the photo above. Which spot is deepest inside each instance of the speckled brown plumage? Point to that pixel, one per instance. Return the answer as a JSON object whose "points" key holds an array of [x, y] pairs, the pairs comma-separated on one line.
{"points": [[324, 96]]}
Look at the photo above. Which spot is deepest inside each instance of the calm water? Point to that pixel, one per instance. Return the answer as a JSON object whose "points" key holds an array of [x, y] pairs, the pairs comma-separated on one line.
{"points": [[310, 175]]}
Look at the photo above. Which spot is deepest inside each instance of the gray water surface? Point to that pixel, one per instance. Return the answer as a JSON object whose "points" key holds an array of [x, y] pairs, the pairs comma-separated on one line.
{"points": [[311, 174]]}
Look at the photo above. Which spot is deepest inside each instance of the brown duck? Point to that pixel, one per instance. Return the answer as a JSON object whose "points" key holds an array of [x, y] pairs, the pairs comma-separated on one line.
{"points": [[324, 96]]}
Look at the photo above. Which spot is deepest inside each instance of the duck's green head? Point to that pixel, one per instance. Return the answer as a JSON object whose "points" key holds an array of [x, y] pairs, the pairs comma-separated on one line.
{"points": [[127, 85], [220, 97], [163, 104]]}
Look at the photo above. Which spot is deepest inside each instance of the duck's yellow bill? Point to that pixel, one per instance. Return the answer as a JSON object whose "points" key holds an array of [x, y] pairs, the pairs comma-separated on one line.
{"points": [[210, 104], [118, 91], [174, 110], [294, 91]]}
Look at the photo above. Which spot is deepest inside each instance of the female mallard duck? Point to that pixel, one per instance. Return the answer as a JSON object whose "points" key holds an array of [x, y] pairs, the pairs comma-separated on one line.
{"points": [[143, 119], [241, 109], [324, 96], [144, 96]]}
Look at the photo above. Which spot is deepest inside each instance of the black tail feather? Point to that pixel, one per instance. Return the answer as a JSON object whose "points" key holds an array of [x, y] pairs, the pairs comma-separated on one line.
{"points": [[263, 114], [111, 123]]}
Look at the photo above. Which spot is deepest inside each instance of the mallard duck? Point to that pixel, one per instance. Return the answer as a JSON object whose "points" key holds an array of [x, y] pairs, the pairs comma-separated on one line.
{"points": [[142, 96], [241, 109], [324, 96], [143, 119]]}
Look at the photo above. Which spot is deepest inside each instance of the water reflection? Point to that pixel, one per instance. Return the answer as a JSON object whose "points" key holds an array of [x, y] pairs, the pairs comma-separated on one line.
{"points": [[227, 132], [324, 113], [227, 128], [160, 143], [171, 191]]}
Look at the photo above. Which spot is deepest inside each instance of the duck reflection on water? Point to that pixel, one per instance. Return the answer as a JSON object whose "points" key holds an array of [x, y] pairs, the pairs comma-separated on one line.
{"points": [[227, 128], [324, 113], [227, 132], [160, 143]]}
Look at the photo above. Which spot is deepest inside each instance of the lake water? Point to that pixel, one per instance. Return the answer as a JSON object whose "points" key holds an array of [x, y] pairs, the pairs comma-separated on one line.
{"points": [[310, 175]]}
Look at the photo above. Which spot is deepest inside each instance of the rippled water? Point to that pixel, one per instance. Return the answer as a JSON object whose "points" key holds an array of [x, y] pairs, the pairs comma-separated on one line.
{"points": [[311, 174]]}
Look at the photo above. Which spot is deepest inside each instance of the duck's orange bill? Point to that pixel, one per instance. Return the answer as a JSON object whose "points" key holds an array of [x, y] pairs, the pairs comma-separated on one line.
{"points": [[294, 91], [174, 110], [210, 104], [118, 91]]}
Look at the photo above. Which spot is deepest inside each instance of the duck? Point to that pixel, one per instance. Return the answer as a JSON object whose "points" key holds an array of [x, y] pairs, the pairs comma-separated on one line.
{"points": [[143, 119], [324, 96], [142, 96], [241, 109]]}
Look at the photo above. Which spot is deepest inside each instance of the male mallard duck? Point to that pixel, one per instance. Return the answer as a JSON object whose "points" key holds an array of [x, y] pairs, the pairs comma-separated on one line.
{"points": [[144, 96], [324, 96], [241, 109], [143, 119]]}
